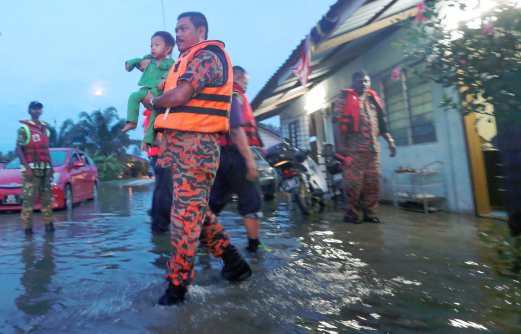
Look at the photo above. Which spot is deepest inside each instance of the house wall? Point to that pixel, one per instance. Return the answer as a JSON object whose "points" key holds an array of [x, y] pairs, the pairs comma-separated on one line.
{"points": [[269, 139], [449, 149]]}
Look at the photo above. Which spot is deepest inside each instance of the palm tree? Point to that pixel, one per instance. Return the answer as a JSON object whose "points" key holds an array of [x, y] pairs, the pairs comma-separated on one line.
{"points": [[7, 156], [63, 137], [99, 132]]}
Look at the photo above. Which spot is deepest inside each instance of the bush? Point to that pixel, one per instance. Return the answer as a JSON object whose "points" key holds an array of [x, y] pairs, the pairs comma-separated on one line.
{"points": [[109, 167]]}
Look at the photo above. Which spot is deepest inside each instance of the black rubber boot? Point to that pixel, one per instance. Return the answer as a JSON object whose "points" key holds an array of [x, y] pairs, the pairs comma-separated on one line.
{"points": [[253, 245], [49, 227], [173, 295], [28, 231], [351, 220], [235, 268], [160, 228], [372, 219]]}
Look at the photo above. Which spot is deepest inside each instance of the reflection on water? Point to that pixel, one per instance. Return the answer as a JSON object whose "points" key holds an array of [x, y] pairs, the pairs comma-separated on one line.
{"points": [[37, 275], [102, 271]]}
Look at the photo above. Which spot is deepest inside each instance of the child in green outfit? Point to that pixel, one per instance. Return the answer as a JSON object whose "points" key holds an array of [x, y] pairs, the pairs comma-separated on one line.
{"points": [[154, 67]]}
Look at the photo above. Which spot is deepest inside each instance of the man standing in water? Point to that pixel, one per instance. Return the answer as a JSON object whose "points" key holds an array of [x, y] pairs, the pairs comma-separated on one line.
{"points": [[197, 98], [360, 119], [32, 148], [237, 168]]}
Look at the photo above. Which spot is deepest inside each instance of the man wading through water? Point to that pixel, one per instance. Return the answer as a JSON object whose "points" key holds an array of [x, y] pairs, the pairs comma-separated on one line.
{"points": [[32, 148], [237, 168], [197, 98], [360, 118]]}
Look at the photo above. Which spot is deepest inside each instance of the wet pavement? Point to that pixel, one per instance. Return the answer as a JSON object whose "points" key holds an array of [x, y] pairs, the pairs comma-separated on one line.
{"points": [[102, 272]]}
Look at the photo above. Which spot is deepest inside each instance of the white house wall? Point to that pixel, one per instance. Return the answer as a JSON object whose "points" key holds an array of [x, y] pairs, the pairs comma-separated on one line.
{"points": [[450, 147], [269, 139]]}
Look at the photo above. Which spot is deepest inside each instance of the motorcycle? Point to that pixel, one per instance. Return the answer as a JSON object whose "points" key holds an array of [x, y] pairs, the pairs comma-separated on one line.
{"points": [[300, 176], [334, 163]]}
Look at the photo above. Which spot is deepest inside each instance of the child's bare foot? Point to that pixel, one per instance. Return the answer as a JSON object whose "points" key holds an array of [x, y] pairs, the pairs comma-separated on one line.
{"points": [[129, 126]]}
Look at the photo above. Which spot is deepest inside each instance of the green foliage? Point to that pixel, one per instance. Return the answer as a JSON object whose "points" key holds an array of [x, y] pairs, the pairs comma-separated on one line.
{"points": [[483, 55], [98, 134], [7, 157], [109, 167], [138, 168], [482, 58], [97, 131], [507, 249]]}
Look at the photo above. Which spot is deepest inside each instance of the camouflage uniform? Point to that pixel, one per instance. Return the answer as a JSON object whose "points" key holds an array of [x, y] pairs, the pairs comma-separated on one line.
{"points": [[362, 148], [39, 185], [193, 158]]}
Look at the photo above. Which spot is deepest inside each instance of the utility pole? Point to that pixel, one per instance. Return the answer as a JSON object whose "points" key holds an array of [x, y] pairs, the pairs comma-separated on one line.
{"points": [[163, 11]]}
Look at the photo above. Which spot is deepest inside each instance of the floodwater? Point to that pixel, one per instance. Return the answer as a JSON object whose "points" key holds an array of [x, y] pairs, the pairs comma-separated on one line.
{"points": [[102, 272]]}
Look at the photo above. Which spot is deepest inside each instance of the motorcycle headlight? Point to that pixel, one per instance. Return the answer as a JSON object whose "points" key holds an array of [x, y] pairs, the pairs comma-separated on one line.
{"points": [[55, 178]]}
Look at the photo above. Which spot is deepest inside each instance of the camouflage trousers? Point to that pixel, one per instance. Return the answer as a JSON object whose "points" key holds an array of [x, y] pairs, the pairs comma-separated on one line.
{"points": [[39, 185], [193, 159], [362, 184]]}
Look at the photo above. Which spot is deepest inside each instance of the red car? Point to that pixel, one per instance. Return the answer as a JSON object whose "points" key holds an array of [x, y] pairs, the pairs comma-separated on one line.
{"points": [[75, 179]]}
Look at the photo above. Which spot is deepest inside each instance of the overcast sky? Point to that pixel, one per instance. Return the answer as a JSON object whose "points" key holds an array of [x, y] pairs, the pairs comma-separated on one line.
{"points": [[70, 54]]}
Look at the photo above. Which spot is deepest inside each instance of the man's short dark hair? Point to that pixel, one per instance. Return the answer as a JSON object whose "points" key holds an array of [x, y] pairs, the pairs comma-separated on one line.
{"points": [[35, 105], [238, 69], [166, 36], [359, 74], [198, 20]]}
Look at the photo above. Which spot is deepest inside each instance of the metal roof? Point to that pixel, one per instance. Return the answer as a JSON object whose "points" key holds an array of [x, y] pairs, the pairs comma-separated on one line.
{"points": [[348, 40]]}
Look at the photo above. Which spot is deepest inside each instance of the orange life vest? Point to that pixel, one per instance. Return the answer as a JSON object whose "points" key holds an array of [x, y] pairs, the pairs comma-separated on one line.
{"points": [[208, 111]]}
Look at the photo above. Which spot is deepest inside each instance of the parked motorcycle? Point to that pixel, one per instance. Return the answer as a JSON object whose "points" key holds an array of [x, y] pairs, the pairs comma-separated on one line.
{"points": [[300, 176], [334, 163]]}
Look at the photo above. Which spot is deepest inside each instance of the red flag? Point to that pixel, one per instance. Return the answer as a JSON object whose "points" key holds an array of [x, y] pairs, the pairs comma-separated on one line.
{"points": [[303, 67]]}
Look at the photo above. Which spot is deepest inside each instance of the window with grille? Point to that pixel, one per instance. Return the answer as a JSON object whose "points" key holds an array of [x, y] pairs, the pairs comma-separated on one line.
{"points": [[410, 109], [293, 133]]}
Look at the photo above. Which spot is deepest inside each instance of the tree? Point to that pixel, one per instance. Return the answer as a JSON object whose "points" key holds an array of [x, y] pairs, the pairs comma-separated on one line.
{"points": [[482, 58], [64, 137], [483, 55], [7, 156], [109, 167], [98, 134]]}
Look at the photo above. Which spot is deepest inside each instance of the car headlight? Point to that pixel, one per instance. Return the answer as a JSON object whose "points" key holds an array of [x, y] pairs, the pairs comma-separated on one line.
{"points": [[55, 178]]}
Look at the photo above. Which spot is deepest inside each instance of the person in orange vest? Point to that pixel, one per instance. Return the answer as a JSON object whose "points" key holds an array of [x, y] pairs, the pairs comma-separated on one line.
{"points": [[360, 119], [192, 112], [162, 194], [237, 171], [32, 148]]}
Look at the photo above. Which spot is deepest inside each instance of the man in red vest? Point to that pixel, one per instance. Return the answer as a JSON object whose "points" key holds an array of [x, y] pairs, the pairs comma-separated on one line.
{"points": [[32, 148], [192, 112], [237, 168], [360, 119]]}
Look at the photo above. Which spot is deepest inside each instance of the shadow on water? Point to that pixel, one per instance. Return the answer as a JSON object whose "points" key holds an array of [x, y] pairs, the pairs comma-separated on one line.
{"points": [[102, 271]]}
